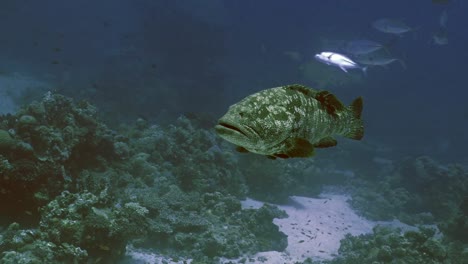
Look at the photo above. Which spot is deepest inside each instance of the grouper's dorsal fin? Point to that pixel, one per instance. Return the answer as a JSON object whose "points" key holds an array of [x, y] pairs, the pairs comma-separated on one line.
{"points": [[297, 148], [329, 102], [302, 89], [356, 107]]}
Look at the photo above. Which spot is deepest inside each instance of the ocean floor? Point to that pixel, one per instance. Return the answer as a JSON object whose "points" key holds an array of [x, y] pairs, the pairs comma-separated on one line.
{"points": [[314, 228]]}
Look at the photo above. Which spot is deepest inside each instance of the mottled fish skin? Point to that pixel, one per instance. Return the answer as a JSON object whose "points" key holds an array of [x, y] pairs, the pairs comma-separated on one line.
{"points": [[289, 121]]}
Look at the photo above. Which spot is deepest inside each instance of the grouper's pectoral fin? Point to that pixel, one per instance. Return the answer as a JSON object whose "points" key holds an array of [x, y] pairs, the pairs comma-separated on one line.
{"points": [[326, 143], [297, 148], [329, 102], [241, 149]]}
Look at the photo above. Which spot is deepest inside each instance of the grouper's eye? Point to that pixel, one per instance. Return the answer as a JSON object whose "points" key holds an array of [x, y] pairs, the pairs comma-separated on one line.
{"points": [[241, 114]]}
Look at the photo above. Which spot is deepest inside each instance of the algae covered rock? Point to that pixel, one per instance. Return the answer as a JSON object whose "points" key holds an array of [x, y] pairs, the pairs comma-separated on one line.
{"points": [[75, 228], [418, 191], [6, 141], [25, 185], [186, 150], [65, 130], [31, 246], [457, 227], [206, 226], [389, 245], [26, 122], [82, 221], [54, 140]]}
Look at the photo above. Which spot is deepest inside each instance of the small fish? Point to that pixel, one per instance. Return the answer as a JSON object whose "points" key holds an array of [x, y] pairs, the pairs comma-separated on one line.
{"points": [[378, 59], [440, 37], [443, 18], [339, 60], [362, 46], [290, 121], [392, 26]]}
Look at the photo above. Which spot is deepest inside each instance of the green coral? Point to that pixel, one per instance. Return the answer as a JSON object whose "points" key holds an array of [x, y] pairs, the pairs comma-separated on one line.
{"points": [[82, 221], [186, 151], [27, 122], [457, 226], [54, 140], [76, 228], [27, 184], [418, 190], [207, 226], [31, 246], [6, 141], [388, 245]]}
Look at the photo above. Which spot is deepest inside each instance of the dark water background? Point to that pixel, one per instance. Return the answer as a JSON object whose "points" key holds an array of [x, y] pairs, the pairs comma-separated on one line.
{"points": [[161, 58]]}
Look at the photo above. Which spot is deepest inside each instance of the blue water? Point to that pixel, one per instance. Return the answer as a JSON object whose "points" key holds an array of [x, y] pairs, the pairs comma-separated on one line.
{"points": [[209, 54]]}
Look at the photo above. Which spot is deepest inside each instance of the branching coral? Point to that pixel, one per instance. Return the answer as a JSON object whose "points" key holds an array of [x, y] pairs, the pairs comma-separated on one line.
{"points": [[47, 143], [388, 245], [415, 190], [185, 151]]}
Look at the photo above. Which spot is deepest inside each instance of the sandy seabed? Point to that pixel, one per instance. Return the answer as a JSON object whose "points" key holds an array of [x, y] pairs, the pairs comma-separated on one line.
{"points": [[314, 228]]}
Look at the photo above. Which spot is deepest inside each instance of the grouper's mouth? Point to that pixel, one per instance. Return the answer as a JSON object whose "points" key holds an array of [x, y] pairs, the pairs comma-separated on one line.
{"points": [[223, 126]]}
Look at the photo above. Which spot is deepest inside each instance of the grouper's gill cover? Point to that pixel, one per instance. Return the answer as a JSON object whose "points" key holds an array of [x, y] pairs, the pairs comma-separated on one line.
{"points": [[290, 121]]}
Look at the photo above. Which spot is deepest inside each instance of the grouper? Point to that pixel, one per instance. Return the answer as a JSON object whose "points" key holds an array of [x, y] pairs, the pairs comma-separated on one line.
{"points": [[290, 121]]}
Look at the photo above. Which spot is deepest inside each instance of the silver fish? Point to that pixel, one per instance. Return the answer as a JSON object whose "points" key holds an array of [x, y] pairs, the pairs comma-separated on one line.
{"points": [[378, 59], [443, 19], [440, 37], [392, 26], [339, 60], [362, 46]]}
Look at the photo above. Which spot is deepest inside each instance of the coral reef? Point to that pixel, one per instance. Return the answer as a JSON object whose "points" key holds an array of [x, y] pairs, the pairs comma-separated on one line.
{"points": [[85, 191], [208, 226], [73, 190], [73, 228], [191, 155], [31, 246], [457, 226], [391, 245], [418, 190], [41, 147], [387, 245]]}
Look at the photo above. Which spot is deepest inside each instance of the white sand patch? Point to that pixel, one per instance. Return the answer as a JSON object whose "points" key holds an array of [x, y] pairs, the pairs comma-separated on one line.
{"points": [[143, 256], [314, 227]]}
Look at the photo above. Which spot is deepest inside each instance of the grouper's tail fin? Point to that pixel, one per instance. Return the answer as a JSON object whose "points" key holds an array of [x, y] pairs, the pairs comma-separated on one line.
{"points": [[356, 130]]}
